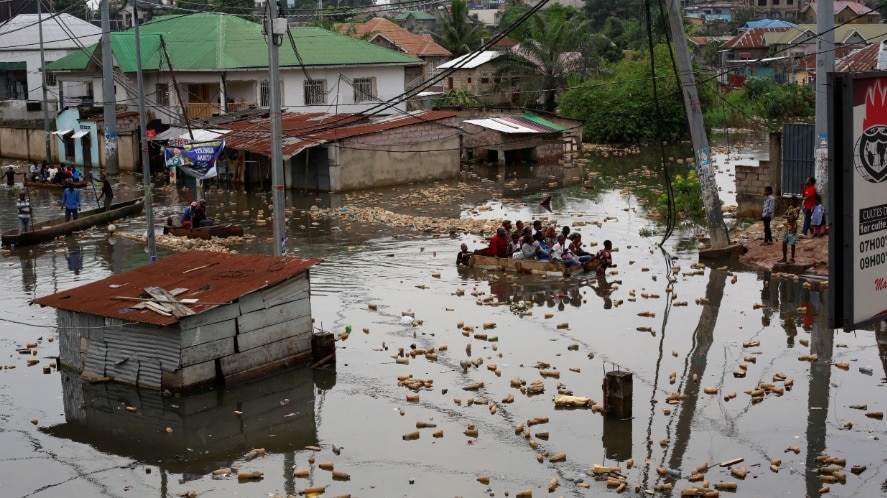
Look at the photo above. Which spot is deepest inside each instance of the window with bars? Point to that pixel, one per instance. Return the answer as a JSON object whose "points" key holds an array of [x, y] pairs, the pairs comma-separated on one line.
{"points": [[315, 92], [364, 89], [264, 94], [161, 94]]}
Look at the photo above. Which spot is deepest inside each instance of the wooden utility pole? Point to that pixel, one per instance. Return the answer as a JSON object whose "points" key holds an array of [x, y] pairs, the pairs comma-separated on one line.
{"points": [[717, 230]]}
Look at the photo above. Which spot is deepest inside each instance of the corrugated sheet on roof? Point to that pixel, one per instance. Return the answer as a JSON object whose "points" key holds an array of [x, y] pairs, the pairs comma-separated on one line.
{"points": [[527, 123], [751, 38], [411, 43], [215, 41], [304, 130], [213, 278], [60, 31]]}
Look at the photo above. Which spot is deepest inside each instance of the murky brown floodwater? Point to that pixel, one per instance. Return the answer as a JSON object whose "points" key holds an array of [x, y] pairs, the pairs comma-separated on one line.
{"points": [[85, 443]]}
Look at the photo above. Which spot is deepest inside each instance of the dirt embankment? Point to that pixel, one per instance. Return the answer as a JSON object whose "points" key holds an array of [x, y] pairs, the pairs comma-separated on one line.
{"points": [[811, 253]]}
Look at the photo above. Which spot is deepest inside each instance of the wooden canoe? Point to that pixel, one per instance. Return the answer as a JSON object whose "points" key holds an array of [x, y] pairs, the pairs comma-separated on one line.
{"points": [[529, 266], [209, 232], [49, 230], [57, 186]]}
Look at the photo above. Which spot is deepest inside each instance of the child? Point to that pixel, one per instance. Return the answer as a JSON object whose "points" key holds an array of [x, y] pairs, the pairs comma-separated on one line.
{"points": [[464, 256], [790, 236], [768, 213], [818, 217]]}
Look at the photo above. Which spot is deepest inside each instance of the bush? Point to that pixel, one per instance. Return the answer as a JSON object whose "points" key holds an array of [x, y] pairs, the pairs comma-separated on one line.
{"points": [[687, 196]]}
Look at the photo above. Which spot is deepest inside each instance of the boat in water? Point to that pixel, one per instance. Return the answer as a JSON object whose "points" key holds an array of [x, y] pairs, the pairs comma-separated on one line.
{"points": [[48, 230]]}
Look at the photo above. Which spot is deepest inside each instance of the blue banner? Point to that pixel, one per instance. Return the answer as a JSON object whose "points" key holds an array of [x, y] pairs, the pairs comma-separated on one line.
{"points": [[195, 159]]}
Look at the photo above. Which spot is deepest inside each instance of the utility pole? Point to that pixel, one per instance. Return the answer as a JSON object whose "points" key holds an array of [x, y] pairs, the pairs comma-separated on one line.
{"points": [[146, 161], [43, 75], [276, 28], [112, 166], [825, 63], [717, 230]]}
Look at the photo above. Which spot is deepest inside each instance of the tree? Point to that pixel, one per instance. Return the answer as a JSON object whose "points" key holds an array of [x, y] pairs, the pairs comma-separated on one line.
{"points": [[599, 10], [510, 16], [456, 32], [556, 48], [620, 109], [77, 8]]}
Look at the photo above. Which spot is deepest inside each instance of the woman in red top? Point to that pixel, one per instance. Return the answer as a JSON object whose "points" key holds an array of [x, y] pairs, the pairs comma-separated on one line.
{"points": [[809, 197]]}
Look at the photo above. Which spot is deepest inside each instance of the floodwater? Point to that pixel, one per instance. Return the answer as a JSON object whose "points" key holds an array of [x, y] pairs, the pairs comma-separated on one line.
{"points": [[61, 437]]}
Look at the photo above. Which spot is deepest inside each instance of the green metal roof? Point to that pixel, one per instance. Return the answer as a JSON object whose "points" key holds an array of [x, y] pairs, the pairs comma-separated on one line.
{"points": [[211, 41], [543, 122], [13, 66], [418, 14]]}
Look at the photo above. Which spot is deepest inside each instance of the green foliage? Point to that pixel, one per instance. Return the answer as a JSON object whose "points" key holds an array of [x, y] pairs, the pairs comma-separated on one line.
{"points": [[511, 16], [627, 34], [621, 109], [457, 97], [646, 232], [761, 98], [555, 48], [456, 33], [687, 196], [77, 8], [599, 10]]}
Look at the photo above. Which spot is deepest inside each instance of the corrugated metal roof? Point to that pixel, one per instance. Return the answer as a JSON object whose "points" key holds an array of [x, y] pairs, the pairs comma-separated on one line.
{"points": [[751, 38], [527, 123], [865, 59], [856, 7], [470, 61], [418, 14], [213, 278], [304, 130], [411, 43], [216, 41], [60, 31]]}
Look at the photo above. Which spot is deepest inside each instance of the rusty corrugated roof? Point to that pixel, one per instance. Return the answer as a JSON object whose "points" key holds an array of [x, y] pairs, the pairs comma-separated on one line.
{"points": [[303, 130], [213, 278], [865, 59], [751, 38]]}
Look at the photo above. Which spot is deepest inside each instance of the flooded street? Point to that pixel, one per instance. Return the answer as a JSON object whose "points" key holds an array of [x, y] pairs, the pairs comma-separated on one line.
{"points": [[704, 332]]}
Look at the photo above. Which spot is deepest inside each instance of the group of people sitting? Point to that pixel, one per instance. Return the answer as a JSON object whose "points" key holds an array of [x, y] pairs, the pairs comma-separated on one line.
{"points": [[194, 215], [540, 243], [47, 173]]}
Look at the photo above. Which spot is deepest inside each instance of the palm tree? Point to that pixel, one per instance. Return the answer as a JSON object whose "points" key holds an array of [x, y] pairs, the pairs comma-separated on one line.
{"points": [[455, 31], [556, 48]]}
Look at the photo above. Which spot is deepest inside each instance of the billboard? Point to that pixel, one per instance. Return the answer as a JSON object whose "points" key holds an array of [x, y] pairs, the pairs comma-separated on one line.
{"points": [[197, 159], [858, 199]]}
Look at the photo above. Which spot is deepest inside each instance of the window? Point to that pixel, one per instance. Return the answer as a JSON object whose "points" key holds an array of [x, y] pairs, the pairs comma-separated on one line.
{"points": [[264, 94], [50, 76], [364, 89], [775, 2], [762, 3], [469, 80], [450, 83], [315, 92], [485, 81], [161, 94], [789, 2]]}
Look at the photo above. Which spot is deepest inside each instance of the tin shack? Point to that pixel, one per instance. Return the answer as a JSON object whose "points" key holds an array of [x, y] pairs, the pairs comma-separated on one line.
{"points": [[188, 319]]}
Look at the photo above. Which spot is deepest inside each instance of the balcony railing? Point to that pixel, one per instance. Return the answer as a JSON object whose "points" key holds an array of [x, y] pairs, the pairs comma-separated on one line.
{"points": [[204, 110]]}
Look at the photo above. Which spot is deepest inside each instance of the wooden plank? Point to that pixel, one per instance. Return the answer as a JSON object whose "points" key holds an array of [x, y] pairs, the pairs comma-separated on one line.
{"points": [[160, 294], [207, 351], [189, 376], [293, 289], [277, 314], [290, 290], [257, 357], [296, 328], [199, 335], [251, 302], [215, 315]]}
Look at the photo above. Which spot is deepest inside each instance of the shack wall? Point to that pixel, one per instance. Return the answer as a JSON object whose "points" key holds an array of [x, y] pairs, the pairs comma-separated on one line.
{"points": [[28, 145], [421, 152]]}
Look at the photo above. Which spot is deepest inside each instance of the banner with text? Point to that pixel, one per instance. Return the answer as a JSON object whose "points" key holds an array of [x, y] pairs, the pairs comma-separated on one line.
{"points": [[195, 159]]}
